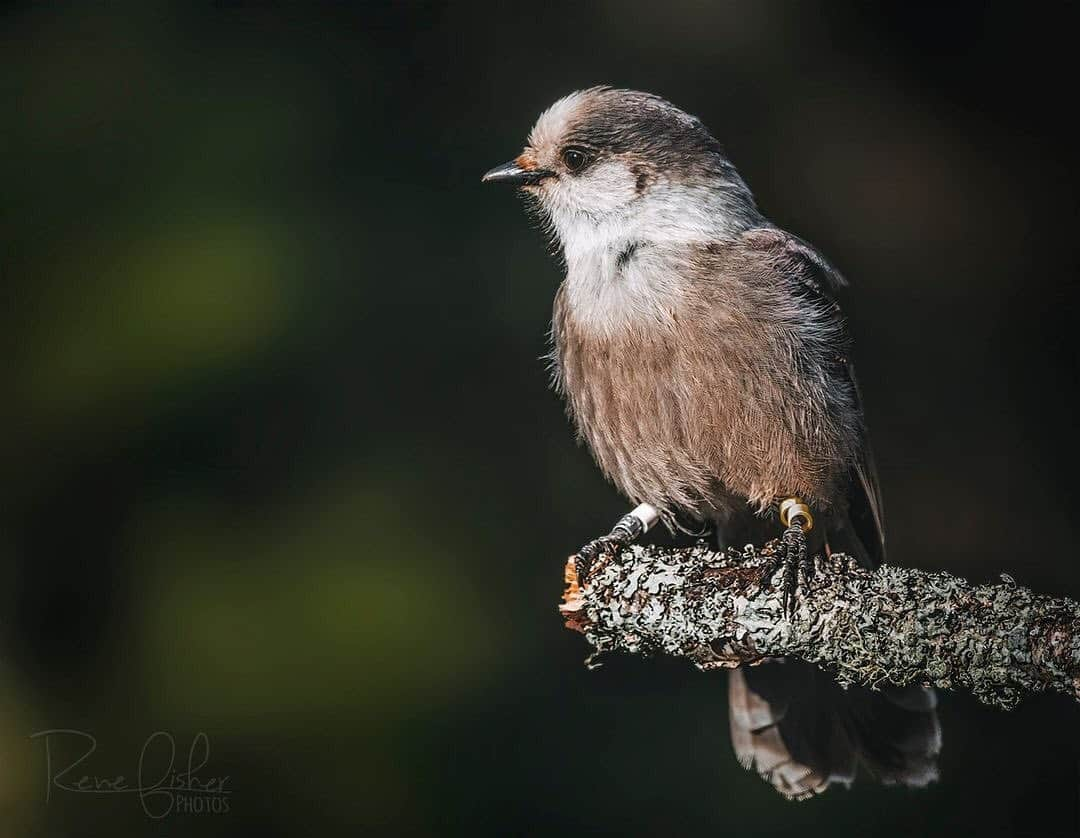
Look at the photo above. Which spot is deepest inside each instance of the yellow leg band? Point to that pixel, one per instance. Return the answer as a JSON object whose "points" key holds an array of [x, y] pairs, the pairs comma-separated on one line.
{"points": [[792, 508]]}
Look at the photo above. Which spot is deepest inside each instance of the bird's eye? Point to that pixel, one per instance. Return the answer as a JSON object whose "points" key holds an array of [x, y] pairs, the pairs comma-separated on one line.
{"points": [[575, 158]]}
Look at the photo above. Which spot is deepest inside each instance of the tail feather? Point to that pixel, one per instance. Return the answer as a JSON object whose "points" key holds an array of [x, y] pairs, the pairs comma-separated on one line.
{"points": [[802, 732], [759, 746], [794, 724]]}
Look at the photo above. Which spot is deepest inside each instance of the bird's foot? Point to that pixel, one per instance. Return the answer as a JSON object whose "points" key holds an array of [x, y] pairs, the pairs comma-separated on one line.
{"points": [[626, 530], [792, 555], [793, 558]]}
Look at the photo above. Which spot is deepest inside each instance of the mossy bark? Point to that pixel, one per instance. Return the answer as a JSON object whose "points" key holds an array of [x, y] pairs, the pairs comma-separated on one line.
{"points": [[893, 625]]}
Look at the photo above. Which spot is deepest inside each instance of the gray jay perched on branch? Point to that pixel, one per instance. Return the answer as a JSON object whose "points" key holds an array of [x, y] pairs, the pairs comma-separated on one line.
{"points": [[706, 364]]}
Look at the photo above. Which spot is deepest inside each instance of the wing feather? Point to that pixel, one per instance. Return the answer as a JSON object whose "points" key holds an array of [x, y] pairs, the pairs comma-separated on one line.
{"points": [[817, 279]]}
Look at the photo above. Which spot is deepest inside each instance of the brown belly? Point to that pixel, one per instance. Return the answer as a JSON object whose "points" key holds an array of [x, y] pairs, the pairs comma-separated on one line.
{"points": [[676, 421]]}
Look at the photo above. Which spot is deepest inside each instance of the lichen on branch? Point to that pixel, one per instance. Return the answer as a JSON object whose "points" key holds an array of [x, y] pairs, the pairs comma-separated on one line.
{"points": [[869, 628]]}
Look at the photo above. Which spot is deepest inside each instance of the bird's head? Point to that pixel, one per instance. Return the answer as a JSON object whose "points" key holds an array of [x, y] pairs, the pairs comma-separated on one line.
{"points": [[604, 159]]}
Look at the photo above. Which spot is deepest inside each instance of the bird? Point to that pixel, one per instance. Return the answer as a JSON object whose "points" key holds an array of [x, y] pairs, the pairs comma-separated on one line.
{"points": [[706, 364]]}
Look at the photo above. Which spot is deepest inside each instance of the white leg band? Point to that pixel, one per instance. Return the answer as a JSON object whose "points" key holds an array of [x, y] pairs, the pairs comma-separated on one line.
{"points": [[647, 514]]}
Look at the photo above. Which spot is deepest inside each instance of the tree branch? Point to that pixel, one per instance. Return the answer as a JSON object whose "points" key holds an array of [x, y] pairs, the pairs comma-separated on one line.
{"points": [[893, 625]]}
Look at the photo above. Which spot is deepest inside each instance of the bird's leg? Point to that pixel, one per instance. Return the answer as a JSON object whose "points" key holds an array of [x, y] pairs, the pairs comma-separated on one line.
{"points": [[626, 530], [793, 555]]}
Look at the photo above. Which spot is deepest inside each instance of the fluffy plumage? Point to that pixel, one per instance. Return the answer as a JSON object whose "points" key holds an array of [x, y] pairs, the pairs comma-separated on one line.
{"points": [[734, 390]]}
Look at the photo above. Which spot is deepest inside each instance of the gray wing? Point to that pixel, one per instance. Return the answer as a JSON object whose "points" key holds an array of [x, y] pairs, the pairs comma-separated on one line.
{"points": [[865, 507], [816, 278]]}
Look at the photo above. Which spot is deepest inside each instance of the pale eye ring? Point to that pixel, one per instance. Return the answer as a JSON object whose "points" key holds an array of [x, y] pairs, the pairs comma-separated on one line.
{"points": [[574, 158]]}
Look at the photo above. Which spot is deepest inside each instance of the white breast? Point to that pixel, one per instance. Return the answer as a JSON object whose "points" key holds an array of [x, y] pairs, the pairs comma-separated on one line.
{"points": [[631, 267], [606, 289]]}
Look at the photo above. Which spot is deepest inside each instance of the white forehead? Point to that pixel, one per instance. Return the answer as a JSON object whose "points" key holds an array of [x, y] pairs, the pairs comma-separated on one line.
{"points": [[552, 123]]}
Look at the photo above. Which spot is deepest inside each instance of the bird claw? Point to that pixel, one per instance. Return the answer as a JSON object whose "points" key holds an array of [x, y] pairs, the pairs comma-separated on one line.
{"points": [[589, 553], [625, 531], [793, 558], [598, 546]]}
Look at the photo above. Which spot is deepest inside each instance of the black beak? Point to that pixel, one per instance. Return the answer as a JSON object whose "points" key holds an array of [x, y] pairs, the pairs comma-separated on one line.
{"points": [[513, 173]]}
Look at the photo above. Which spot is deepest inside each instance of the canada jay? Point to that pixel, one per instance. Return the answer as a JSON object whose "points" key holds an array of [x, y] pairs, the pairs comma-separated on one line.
{"points": [[706, 364]]}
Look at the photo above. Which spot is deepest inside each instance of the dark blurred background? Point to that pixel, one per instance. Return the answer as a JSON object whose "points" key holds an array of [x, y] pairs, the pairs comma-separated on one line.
{"points": [[280, 461]]}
